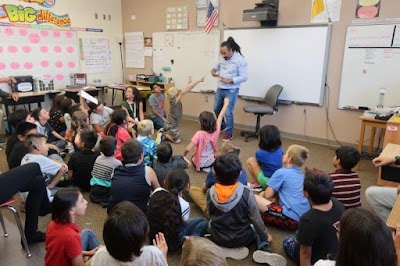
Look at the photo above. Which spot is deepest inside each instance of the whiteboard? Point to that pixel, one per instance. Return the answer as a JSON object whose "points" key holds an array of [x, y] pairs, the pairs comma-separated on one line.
{"points": [[294, 57], [371, 61], [188, 53], [39, 53]]}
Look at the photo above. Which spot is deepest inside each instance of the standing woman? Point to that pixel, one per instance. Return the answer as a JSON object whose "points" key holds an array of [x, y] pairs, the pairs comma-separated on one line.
{"points": [[231, 70], [133, 105]]}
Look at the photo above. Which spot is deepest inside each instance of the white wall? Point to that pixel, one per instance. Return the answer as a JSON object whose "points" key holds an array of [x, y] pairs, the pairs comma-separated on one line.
{"points": [[82, 14]]}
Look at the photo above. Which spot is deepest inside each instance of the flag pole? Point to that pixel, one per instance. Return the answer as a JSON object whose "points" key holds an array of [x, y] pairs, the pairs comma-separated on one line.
{"points": [[327, 12]]}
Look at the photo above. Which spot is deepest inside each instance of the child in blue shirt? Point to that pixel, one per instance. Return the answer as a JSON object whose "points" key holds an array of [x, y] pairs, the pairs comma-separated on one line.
{"points": [[287, 183], [145, 130], [268, 157]]}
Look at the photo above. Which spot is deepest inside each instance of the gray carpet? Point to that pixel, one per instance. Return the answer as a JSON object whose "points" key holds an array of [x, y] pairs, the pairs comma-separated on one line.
{"points": [[320, 157]]}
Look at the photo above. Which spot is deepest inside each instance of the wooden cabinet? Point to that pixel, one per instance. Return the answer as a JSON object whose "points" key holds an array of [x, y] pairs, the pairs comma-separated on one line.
{"points": [[145, 92]]}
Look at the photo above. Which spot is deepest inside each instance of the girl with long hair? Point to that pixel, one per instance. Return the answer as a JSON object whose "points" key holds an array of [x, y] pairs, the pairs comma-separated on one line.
{"points": [[169, 213]]}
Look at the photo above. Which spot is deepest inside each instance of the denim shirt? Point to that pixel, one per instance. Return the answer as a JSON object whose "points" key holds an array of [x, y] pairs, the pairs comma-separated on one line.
{"points": [[234, 68]]}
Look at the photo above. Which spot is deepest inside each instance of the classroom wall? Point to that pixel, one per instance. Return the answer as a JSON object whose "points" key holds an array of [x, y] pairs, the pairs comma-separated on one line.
{"points": [[293, 120], [82, 15]]}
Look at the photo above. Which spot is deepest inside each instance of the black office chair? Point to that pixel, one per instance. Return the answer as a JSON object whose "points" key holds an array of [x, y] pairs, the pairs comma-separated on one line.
{"points": [[268, 108]]}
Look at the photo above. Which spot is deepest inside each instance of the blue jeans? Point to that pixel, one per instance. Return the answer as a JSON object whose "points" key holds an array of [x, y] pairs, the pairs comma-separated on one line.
{"points": [[157, 121], [260, 243], [193, 227], [89, 240], [232, 95]]}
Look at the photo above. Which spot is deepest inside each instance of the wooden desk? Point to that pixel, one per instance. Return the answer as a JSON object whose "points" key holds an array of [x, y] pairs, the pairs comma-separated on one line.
{"points": [[24, 98], [392, 132], [389, 175]]}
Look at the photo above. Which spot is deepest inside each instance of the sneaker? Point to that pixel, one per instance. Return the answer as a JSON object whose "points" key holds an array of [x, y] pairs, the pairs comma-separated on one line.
{"points": [[255, 186], [159, 136], [70, 147], [235, 253], [3, 141], [51, 192], [227, 137], [260, 256], [206, 169]]}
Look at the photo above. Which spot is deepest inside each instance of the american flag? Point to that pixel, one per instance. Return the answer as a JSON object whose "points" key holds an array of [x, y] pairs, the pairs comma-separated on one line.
{"points": [[212, 15]]}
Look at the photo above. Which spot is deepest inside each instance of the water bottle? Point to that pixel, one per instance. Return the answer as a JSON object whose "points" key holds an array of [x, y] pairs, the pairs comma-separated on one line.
{"points": [[382, 93]]}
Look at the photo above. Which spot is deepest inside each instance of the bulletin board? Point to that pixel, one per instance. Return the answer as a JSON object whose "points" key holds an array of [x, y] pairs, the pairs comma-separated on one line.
{"points": [[178, 55], [40, 53]]}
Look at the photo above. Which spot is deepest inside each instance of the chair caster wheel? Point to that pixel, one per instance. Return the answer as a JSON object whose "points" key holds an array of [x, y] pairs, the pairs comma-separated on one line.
{"points": [[242, 134], [246, 140]]}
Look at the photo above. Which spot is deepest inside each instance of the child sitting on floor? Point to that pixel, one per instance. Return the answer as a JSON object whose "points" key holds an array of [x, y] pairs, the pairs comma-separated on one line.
{"points": [[201, 251], [235, 220], [268, 157], [166, 161], [19, 150], [102, 172], [169, 213], [287, 184], [347, 188], [80, 122], [100, 116], [38, 150], [119, 129], [316, 238], [145, 130], [56, 115], [133, 181], [205, 141], [157, 106], [41, 116], [66, 244], [125, 234], [198, 194], [81, 163]]}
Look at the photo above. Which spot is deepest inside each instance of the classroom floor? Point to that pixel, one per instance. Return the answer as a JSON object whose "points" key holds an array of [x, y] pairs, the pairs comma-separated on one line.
{"points": [[320, 157]]}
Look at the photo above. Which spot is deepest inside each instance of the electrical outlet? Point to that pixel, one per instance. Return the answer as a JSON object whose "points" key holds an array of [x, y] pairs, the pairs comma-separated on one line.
{"points": [[206, 99], [96, 16], [109, 17], [104, 16]]}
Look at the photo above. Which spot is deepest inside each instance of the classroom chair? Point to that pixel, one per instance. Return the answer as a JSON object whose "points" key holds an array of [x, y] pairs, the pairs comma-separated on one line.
{"points": [[6, 205], [267, 108]]}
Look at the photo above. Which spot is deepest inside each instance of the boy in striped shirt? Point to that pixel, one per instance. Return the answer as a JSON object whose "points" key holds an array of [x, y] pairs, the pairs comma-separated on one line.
{"points": [[347, 183], [103, 170]]}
